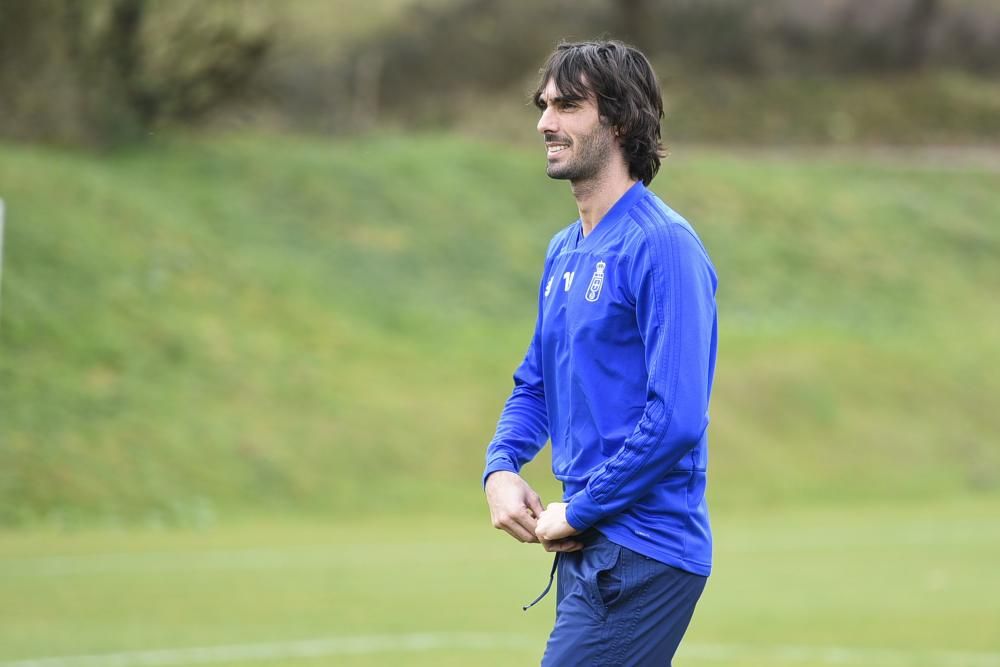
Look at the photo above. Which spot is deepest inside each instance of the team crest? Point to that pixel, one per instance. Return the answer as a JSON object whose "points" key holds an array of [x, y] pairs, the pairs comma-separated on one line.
{"points": [[596, 283]]}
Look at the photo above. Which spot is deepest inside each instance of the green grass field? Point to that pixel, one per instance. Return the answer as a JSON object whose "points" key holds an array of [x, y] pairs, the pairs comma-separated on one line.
{"points": [[866, 585]]}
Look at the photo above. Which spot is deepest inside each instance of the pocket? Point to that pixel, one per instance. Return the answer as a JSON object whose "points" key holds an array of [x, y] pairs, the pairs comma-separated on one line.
{"points": [[604, 579], [609, 585]]}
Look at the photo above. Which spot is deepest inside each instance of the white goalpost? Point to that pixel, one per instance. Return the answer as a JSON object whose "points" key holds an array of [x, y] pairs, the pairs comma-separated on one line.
{"points": [[1, 255]]}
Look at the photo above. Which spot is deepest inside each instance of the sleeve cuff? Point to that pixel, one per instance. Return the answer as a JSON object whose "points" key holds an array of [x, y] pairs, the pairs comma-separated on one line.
{"points": [[499, 463], [582, 512]]}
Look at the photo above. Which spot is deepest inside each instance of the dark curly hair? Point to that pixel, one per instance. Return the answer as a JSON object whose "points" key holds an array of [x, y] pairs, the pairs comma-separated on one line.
{"points": [[628, 95]]}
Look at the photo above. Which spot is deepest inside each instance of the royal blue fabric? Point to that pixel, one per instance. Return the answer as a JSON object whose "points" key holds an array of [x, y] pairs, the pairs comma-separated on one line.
{"points": [[616, 607], [619, 374]]}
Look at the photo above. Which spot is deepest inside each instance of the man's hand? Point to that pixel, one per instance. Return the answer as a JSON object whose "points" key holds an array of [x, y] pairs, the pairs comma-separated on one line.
{"points": [[552, 524], [564, 545], [514, 506]]}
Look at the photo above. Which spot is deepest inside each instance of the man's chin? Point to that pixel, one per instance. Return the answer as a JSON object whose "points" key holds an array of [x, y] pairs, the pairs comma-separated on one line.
{"points": [[558, 173]]}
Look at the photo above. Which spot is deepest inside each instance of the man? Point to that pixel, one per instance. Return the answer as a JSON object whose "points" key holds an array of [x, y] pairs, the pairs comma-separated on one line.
{"points": [[618, 375]]}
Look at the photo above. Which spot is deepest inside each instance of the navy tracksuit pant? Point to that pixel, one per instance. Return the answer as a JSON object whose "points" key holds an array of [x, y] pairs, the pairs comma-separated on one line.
{"points": [[618, 608]]}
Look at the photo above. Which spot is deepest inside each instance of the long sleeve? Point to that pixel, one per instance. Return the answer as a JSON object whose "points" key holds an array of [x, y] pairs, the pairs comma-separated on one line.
{"points": [[673, 284], [523, 426]]}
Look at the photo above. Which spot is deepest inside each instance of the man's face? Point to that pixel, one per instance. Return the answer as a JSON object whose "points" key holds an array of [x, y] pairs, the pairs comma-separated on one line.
{"points": [[578, 145]]}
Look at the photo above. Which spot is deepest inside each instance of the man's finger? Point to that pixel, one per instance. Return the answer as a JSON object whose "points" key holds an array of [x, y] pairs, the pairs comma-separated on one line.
{"points": [[526, 524], [519, 525], [563, 546], [535, 503], [519, 533]]}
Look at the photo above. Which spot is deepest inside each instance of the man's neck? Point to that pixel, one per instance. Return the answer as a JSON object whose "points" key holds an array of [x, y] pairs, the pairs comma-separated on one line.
{"points": [[595, 196]]}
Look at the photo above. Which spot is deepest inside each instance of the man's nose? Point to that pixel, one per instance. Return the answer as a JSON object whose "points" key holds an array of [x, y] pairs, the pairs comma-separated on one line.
{"points": [[547, 124]]}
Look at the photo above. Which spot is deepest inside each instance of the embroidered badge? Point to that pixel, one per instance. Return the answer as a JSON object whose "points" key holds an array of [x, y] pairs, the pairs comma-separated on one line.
{"points": [[596, 283]]}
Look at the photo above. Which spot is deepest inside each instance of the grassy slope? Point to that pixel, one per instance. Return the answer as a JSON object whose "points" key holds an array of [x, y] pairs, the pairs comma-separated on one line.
{"points": [[268, 322]]}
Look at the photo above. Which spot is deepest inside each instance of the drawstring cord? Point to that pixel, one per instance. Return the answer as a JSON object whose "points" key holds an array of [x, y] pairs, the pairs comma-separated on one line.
{"points": [[552, 574]]}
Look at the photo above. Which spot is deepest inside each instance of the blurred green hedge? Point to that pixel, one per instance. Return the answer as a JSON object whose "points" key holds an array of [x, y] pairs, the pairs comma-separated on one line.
{"points": [[109, 71]]}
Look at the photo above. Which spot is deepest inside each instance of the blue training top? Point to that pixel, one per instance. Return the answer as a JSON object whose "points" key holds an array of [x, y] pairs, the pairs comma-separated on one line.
{"points": [[619, 375]]}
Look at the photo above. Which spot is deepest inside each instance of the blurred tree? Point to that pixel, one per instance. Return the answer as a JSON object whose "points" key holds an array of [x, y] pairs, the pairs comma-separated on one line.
{"points": [[102, 72], [916, 33], [634, 22]]}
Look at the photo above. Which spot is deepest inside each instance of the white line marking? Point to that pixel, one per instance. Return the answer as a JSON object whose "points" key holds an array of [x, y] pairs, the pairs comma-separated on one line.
{"points": [[410, 643], [837, 655], [307, 648]]}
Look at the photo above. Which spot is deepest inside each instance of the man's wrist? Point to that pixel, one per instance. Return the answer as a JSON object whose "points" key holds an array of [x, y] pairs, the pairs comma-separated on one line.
{"points": [[499, 464], [582, 512]]}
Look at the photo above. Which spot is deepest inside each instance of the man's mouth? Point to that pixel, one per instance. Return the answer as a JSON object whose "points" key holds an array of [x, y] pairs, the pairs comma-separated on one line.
{"points": [[552, 148]]}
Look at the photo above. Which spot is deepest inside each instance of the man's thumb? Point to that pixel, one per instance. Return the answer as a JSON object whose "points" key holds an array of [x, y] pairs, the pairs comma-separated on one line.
{"points": [[535, 503]]}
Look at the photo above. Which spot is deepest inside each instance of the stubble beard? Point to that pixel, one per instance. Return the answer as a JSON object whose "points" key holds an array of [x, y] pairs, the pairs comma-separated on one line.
{"points": [[593, 152]]}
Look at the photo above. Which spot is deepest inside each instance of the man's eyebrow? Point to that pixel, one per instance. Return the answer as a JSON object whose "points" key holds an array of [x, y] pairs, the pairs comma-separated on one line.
{"points": [[541, 100]]}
